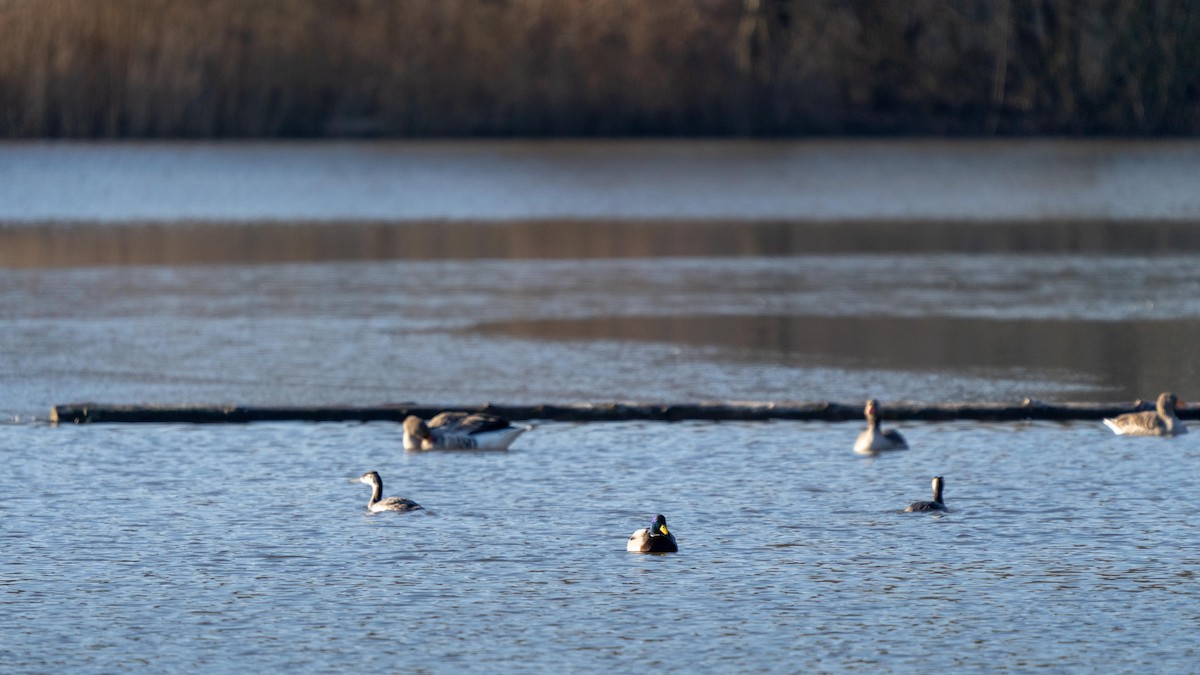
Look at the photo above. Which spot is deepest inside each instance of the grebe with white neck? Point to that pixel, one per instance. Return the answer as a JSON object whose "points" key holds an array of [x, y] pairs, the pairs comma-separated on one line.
{"points": [[937, 504], [378, 503]]}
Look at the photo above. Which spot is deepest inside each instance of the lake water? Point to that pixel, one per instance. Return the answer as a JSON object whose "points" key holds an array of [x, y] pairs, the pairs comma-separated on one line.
{"points": [[680, 179], [948, 327], [236, 548], [460, 273]]}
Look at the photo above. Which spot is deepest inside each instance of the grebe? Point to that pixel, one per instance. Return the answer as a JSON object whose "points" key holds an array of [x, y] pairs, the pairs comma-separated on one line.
{"points": [[874, 439], [460, 431], [378, 503], [937, 504], [1160, 422], [654, 539]]}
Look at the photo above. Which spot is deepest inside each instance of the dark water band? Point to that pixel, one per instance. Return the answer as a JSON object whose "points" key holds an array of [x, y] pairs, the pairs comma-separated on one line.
{"points": [[93, 413]]}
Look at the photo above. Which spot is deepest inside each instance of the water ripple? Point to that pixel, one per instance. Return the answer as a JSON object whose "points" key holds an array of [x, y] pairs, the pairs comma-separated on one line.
{"points": [[240, 547]]}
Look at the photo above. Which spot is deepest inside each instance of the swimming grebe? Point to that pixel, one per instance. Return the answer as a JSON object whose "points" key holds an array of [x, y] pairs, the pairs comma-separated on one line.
{"points": [[378, 503], [460, 431], [1160, 422], [654, 539], [874, 439], [937, 504]]}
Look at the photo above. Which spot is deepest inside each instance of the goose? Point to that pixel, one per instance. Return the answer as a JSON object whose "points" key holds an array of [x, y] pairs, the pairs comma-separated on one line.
{"points": [[460, 431], [1160, 422], [378, 503], [874, 439], [936, 505], [654, 539]]}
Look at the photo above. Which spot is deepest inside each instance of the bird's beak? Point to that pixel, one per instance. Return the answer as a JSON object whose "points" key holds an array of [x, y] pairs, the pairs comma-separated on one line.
{"points": [[663, 529]]}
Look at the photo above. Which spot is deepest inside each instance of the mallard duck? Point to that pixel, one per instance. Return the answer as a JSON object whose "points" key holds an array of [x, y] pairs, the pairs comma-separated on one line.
{"points": [[378, 503], [937, 504], [1159, 422], [654, 539], [875, 439], [460, 431]]}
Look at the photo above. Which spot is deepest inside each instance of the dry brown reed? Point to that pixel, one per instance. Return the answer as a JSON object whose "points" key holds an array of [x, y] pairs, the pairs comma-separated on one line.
{"points": [[268, 68]]}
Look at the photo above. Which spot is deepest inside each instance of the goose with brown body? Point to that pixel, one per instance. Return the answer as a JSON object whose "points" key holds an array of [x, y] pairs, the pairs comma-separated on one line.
{"points": [[1161, 421], [460, 431], [876, 439]]}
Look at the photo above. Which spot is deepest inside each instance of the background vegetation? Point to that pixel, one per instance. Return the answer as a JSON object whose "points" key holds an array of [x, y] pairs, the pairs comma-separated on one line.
{"points": [[238, 68]]}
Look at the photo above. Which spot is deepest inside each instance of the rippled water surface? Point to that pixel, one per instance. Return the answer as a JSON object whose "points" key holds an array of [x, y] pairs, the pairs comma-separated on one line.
{"points": [[249, 548]]}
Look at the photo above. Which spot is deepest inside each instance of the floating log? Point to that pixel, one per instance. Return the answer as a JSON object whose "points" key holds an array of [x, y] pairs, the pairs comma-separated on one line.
{"points": [[94, 413]]}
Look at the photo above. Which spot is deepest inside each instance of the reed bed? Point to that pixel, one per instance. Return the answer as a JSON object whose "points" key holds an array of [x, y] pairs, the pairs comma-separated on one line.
{"points": [[430, 68]]}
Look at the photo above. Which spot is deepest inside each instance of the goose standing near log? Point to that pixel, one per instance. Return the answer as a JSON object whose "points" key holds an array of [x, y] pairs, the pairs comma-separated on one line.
{"points": [[460, 431], [1162, 421], [936, 505], [654, 539], [875, 439], [378, 504]]}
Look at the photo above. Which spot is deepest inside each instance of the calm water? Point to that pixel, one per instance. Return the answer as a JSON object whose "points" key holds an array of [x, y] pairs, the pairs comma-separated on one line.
{"points": [[235, 548], [917, 327], [837, 179]]}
